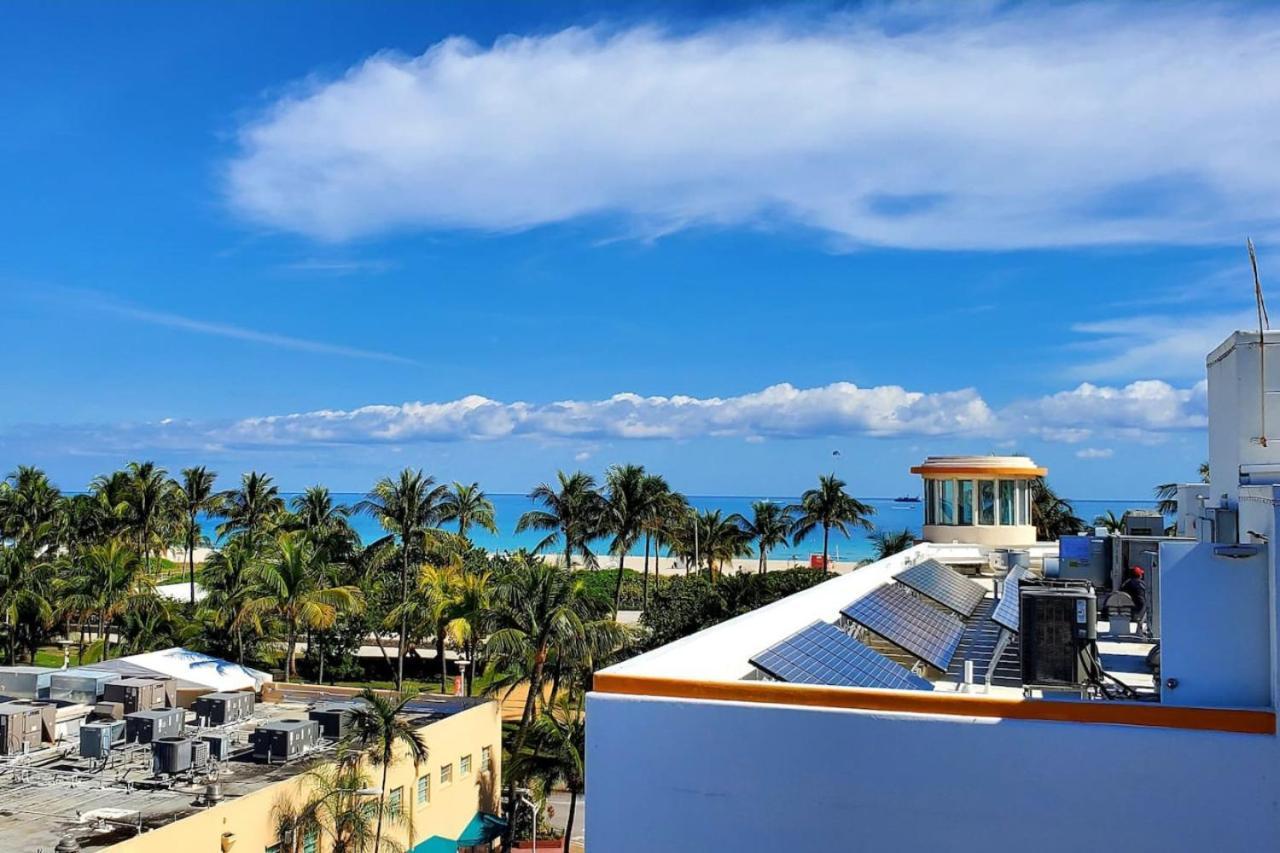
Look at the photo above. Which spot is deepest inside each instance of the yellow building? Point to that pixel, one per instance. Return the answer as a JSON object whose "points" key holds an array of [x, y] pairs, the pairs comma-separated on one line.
{"points": [[448, 802], [981, 500]]}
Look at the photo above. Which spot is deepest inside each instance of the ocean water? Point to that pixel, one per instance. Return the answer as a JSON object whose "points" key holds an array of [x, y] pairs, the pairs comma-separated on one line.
{"points": [[889, 515]]}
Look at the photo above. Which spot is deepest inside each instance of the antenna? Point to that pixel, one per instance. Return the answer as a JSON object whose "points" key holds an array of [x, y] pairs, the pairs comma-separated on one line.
{"points": [[1264, 323]]}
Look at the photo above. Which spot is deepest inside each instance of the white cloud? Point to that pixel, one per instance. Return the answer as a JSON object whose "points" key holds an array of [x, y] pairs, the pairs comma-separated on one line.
{"points": [[1095, 453], [1141, 411], [991, 126], [1154, 344]]}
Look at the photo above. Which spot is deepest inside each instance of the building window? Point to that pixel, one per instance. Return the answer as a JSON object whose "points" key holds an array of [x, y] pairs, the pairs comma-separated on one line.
{"points": [[930, 501], [424, 789], [446, 774], [964, 502], [464, 766], [1008, 502], [946, 501], [395, 802], [309, 842], [486, 759], [987, 502]]}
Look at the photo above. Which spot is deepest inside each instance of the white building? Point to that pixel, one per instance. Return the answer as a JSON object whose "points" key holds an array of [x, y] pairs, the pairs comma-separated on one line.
{"points": [[985, 500], [699, 746]]}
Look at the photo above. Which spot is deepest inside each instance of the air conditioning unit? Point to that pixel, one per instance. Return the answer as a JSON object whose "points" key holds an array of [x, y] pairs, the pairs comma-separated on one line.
{"points": [[220, 745], [219, 709], [25, 682], [97, 738], [170, 755], [148, 726], [334, 717], [136, 694], [20, 728], [284, 740], [1059, 623], [83, 686]]}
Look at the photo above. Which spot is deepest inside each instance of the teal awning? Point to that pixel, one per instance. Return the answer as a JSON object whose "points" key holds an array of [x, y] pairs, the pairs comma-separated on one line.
{"points": [[482, 828]]}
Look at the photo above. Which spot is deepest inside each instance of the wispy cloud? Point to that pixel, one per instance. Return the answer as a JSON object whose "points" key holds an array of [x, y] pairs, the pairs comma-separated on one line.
{"points": [[1165, 345], [98, 302], [338, 266], [981, 126], [1095, 453]]}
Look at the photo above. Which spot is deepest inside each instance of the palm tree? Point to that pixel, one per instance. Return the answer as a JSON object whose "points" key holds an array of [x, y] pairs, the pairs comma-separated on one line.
{"points": [[378, 727], [406, 508], [626, 510], [828, 506], [1167, 493], [250, 509], [469, 506], [889, 542], [326, 524], [555, 754], [539, 609], [335, 804], [720, 540], [432, 607], [769, 526], [150, 508], [196, 497], [659, 505], [1053, 516], [229, 582], [25, 587], [294, 585], [1109, 520], [120, 578], [29, 507], [472, 615], [571, 513]]}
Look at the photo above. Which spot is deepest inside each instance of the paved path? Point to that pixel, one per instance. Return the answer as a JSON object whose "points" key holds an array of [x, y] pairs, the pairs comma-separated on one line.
{"points": [[560, 802]]}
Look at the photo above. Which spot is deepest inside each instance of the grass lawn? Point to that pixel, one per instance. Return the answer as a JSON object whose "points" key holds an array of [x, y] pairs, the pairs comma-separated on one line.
{"points": [[52, 656]]}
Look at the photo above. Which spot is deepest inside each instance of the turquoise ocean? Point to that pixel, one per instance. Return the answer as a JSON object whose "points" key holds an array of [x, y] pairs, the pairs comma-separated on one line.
{"points": [[889, 515]]}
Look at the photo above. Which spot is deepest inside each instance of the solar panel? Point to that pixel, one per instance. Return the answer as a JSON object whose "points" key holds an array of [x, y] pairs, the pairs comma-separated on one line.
{"points": [[823, 654], [910, 622], [944, 585], [1006, 612]]}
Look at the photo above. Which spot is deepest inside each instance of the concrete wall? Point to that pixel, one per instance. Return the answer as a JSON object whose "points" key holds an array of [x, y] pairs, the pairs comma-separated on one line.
{"points": [[986, 535], [447, 814], [688, 775]]}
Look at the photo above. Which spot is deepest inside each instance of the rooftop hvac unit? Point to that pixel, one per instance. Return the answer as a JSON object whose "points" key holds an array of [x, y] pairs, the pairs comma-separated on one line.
{"points": [[20, 728], [1143, 522], [97, 738], [25, 682], [284, 740], [136, 694], [219, 744], [1058, 625], [219, 709], [170, 755], [109, 710], [334, 717], [199, 753], [148, 726], [83, 686]]}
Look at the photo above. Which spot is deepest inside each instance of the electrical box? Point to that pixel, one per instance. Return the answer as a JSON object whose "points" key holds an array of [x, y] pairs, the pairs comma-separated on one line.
{"points": [[148, 726], [1058, 623], [284, 740], [1085, 558], [219, 709]]}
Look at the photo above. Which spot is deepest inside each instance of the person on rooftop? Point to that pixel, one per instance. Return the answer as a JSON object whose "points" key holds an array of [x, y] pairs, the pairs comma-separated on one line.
{"points": [[1135, 586]]}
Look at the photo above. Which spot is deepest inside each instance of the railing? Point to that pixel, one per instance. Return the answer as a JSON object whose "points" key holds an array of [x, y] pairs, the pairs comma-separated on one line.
{"points": [[1239, 720]]}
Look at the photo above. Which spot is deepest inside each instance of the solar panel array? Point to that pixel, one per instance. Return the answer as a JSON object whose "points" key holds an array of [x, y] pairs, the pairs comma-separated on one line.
{"points": [[910, 622], [1006, 612], [823, 654], [944, 585]]}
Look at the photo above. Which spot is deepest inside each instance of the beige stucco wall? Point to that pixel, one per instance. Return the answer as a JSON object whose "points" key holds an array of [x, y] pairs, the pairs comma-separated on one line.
{"points": [[1001, 536], [447, 813]]}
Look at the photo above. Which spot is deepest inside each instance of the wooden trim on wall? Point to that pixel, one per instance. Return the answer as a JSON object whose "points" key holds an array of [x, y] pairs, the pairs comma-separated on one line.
{"points": [[947, 704], [934, 472]]}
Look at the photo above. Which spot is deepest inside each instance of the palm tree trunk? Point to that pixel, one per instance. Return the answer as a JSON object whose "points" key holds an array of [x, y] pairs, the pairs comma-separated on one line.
{"points": [[404, 617], [568, 824], [826, 537], [191, 560], [645, 596], [320, 647], [440, 656], [617, 588], [293, 644], [535, 679], [80, 648], [377, 837], [764, 559]]}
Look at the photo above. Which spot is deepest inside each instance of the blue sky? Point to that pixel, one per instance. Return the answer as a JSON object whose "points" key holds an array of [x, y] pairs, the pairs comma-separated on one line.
{"points": [[331, 240]]}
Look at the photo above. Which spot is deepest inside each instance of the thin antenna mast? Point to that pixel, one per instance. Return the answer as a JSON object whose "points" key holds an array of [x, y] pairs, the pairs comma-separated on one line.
{"points": [[1264, 323]]}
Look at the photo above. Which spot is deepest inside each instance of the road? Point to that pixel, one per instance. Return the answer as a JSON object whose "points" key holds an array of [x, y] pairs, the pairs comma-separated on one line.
{"points": [[560, 802]]}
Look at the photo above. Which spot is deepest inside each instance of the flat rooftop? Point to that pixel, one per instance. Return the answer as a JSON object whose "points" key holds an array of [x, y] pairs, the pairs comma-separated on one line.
{"points": [[52, 792]]}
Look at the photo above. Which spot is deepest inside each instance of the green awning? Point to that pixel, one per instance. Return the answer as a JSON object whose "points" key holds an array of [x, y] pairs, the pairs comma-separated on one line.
{"points": [[481, 829]]}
